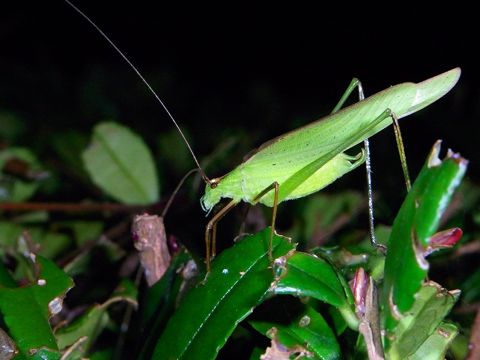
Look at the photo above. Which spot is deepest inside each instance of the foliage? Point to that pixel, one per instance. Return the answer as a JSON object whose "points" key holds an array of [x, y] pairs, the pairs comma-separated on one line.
{"points": [[69, 285]]}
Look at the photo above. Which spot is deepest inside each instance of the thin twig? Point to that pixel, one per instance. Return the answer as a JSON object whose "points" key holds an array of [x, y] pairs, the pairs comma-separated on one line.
{"points": [[69, 207]]}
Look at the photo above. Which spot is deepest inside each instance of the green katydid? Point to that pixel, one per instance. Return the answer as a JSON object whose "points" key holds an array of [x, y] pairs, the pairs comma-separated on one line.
{"points": [[307, 159]]}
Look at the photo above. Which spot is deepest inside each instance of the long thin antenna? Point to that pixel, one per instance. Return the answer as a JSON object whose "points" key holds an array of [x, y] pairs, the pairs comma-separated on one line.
{"points": [[202, 173]]}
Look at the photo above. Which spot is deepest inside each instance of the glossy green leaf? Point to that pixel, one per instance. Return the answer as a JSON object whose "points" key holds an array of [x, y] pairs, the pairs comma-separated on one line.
{"points": [[309, 275], [239, 280], [119, 162], [431, 305], [309, 330], [26, 310], [417, 220], [437, 344], [160, 301]]}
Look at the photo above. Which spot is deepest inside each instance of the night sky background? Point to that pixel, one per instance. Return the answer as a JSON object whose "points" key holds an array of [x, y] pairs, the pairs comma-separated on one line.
{"points": [[236, 70], [234, 76]]}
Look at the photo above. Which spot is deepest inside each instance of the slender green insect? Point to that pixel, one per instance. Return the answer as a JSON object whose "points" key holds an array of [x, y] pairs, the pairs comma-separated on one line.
{"points": [[304, 161], [307, 159]]}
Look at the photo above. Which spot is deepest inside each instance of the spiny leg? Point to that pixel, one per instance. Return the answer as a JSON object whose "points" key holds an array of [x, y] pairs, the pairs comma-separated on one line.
{"points": [[211, 232], [401, 151], [355, 83], [274, 186]]}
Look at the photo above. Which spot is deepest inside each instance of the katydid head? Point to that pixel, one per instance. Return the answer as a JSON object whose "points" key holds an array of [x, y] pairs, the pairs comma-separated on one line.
{"points": [[213, 194], [226, 186]]}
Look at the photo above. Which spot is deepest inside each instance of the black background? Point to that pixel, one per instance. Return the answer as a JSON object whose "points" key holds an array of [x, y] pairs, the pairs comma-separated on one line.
{"points": [[256, 71], [266, 70]]}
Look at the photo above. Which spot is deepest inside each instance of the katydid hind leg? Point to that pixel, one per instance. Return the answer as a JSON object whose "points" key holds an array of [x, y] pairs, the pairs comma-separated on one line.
{"points": [[401, 151]]}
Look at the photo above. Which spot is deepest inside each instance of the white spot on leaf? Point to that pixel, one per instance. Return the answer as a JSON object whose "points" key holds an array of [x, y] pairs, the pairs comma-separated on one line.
{"points": [[55, 306]]}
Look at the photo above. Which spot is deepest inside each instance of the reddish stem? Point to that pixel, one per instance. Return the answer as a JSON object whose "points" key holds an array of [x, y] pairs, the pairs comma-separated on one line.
{"points": [[69, 207]]}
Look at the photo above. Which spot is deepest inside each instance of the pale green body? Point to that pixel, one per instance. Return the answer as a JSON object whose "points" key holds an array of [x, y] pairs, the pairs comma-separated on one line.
{"points": [[306, 160]]}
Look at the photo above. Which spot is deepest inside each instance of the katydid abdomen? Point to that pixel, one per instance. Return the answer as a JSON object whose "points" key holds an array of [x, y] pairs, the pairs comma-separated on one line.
{"points": [[307, 159]]}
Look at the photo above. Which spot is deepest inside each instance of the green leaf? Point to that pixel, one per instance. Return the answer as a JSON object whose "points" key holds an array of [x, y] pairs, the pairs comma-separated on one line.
{"points": [[239, 280], [106, 354], [13, 188], [9, 234], [82, 262], [437, 344], [256, 353], [309, 330], [159, 302], [174, 152], [69, 145], [119, 162], [431, 305], [416, 222], [94, 320], [86, 231], [26, 310], [90, 324], [6, 279], [32, 217], [53, 244], [309, 275]]}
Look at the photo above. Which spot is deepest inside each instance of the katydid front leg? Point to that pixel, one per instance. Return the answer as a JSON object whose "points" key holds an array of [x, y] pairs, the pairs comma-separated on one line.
{"points": [[211, 228], [211, 232]]}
